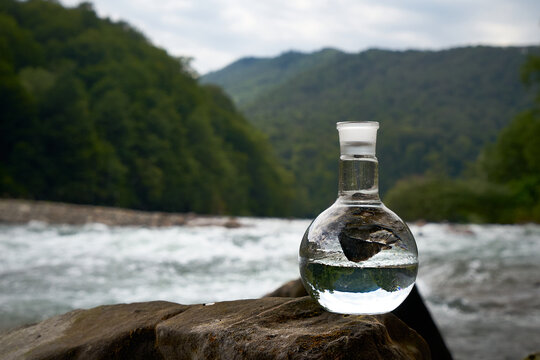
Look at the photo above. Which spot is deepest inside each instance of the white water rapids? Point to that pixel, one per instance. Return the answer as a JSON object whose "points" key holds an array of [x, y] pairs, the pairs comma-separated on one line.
{"points": [[481, 282]]}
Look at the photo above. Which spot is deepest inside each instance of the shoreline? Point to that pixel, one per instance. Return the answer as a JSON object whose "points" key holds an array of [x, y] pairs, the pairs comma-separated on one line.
{"points": [[22, 211], [18, 211]]}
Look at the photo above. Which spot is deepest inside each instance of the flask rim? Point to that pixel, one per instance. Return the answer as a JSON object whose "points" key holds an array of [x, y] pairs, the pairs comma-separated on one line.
{"points": [[365, 124]]}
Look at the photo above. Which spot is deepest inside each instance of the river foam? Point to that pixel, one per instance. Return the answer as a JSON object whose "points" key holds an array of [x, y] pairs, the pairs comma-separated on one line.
{"points": [[481, 282]]}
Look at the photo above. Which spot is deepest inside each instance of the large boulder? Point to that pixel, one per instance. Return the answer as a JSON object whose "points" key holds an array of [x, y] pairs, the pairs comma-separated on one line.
{"points": [[125, 331], [282, 328], [268, 328], [413, 311]]}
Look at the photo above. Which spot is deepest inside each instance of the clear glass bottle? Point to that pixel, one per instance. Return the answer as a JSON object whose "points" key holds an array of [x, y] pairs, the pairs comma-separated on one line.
{"points": [[358, 257]]}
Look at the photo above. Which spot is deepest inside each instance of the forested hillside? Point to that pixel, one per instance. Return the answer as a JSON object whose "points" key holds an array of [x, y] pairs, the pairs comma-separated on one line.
{"points": [[93, 113], [250, 77], [503, 185], [437, 109]]}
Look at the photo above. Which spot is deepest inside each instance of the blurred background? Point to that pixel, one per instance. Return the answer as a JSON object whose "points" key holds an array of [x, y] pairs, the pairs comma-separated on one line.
{"points": [[229, 108]]}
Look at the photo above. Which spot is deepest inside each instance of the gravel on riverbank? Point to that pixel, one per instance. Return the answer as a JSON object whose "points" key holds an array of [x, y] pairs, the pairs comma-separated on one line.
{"points": [[15, 211]]}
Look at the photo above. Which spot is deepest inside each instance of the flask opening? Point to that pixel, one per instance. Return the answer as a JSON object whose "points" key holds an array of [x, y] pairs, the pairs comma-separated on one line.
{"points": [[357, 137]]}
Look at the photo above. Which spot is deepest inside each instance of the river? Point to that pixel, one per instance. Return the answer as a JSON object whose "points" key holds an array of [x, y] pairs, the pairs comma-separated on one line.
{"points": [[481, 282]]}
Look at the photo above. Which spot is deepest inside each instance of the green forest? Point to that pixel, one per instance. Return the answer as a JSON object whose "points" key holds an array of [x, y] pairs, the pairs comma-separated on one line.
{"points": [[93, 113], [440, 144], [502, 185]]}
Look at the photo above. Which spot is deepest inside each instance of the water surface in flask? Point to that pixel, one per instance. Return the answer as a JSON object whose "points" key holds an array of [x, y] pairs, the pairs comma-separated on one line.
{"points": [[352, 288]]}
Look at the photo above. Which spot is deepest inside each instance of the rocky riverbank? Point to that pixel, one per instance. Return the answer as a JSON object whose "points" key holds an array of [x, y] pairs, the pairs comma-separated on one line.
{"points": [[267, 328], [14, 211]]}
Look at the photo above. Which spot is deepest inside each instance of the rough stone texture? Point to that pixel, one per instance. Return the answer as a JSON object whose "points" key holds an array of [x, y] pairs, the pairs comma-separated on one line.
{"points": [[293, 288], [268, 328], [412, 312], [285, 328], [23, 211], [125, 331]]}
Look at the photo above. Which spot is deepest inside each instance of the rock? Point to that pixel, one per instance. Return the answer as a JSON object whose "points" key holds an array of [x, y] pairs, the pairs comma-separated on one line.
{"points": [[284, 328], [268, 328], [232, 223], [412, 312], [293, 288], [114, 331]]}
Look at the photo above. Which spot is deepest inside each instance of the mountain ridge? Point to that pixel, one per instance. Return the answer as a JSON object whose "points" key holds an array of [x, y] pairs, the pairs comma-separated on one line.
{"points": [[284, 61], [437, 109]]}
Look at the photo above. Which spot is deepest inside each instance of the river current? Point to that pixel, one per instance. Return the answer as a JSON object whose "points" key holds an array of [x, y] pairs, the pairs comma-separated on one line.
{"points": [[481, 282]]}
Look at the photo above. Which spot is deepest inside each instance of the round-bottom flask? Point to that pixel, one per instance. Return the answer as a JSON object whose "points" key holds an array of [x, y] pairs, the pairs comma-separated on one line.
{"points": [[358, 257]]}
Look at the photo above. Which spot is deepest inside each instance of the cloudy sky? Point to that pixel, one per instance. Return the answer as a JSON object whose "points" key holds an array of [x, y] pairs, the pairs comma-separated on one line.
{"points": [[217, 32]]}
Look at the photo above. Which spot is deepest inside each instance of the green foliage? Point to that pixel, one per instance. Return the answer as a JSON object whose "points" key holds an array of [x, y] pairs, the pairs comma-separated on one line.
{"points": [[442, 199], [437, 110], [248, 78], [93, 113], [514, 159], [505, 186]]}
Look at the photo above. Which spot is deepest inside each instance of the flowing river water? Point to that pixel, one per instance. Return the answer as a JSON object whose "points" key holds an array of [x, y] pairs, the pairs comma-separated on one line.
{"points": [[481, 282]]}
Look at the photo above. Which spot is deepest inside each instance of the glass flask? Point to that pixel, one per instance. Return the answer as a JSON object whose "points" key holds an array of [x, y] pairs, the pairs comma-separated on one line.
{"points": [[357, 256]]}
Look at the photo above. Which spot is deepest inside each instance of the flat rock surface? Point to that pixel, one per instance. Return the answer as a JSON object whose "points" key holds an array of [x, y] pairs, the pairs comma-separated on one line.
{"points": [[284, 328], [413, 312], [268, 328], [125, 331]]}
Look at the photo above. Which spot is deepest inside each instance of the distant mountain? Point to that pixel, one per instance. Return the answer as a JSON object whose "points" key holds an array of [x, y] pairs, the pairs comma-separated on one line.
{"points": [[437, 109], [91, 112], [249, 77]]}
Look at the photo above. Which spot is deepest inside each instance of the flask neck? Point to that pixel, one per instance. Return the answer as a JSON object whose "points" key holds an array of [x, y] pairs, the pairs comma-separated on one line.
{"points": [[359, 179]]}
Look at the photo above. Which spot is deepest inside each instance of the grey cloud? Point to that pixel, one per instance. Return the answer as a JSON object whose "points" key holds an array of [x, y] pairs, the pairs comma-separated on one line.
{"points": [[215, 32]]}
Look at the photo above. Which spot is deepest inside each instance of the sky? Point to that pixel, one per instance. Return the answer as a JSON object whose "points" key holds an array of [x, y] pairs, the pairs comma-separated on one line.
{"points": [[217, 32]]}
